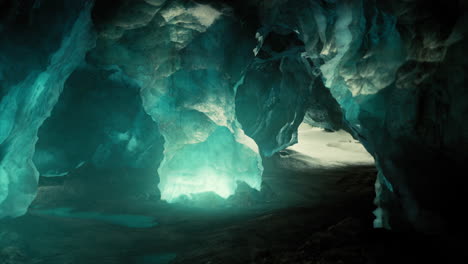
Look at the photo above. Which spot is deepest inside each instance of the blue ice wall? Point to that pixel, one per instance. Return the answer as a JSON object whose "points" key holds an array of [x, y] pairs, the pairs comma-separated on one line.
{"points": [[26, 104], [100, 122], [274, 92], [228, 83], [357, 50], [391, 68], [212, 82], [188, 59], [205, 147]]}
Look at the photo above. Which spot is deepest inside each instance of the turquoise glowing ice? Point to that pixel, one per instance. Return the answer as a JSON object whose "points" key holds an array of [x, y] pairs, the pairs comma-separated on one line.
{"points": [[205, 148], [191, 95]]}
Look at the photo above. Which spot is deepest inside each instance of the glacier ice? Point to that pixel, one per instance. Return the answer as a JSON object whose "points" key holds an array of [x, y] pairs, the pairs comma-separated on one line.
{"points": [[273, 94], [205, 147], [188, 68], [25, 107], [99, 121], [241, 77], [388, 67]]}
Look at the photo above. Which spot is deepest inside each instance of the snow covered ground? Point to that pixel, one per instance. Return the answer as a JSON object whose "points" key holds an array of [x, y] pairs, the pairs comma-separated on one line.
{"points": [[330, 148]]}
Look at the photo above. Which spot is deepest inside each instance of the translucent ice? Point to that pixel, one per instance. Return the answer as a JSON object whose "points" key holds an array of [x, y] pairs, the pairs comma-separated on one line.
{"points": [[205, 148], [188, 60]]}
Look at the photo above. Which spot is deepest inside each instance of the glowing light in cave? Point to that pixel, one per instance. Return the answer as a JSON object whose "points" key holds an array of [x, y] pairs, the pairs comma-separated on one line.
{"points": [[330, 148], [205, 180], [214, 165]]}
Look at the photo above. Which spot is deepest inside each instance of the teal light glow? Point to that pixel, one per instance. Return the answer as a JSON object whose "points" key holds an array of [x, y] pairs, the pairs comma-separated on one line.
{"points": [[215, 165], [205, 148], [192, 98]]}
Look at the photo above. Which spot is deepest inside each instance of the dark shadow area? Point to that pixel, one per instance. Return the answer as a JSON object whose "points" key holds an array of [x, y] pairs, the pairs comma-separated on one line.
{"points": [[302, 215]]}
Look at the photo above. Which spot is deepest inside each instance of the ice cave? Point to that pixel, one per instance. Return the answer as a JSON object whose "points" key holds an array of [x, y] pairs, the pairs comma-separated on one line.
{"points": [[223, 131]]}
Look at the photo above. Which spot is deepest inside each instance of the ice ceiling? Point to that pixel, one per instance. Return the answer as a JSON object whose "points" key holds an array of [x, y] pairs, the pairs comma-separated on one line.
{"points": [[198, 92]]}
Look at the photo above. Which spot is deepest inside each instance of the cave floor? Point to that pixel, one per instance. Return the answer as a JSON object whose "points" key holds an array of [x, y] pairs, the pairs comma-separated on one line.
{"points": [[303, 215]]}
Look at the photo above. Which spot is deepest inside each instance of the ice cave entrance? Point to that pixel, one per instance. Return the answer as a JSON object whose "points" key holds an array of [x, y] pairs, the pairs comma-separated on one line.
{"points": [[322, 148]]}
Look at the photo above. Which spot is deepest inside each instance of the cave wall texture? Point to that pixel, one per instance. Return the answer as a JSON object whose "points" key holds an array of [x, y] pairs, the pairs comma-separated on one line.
{"points": [[238, 77]]}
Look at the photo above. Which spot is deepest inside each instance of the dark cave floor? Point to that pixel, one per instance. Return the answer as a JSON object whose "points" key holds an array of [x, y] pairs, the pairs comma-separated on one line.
{"points": [[302, 215]]}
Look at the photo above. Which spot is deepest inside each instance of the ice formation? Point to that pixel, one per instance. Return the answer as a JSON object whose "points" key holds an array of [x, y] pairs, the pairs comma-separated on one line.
{"points": [[98, 122], [188, 79], [388, 67], [226, 82], [24, 108], [205, 147], [274, 92]]}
